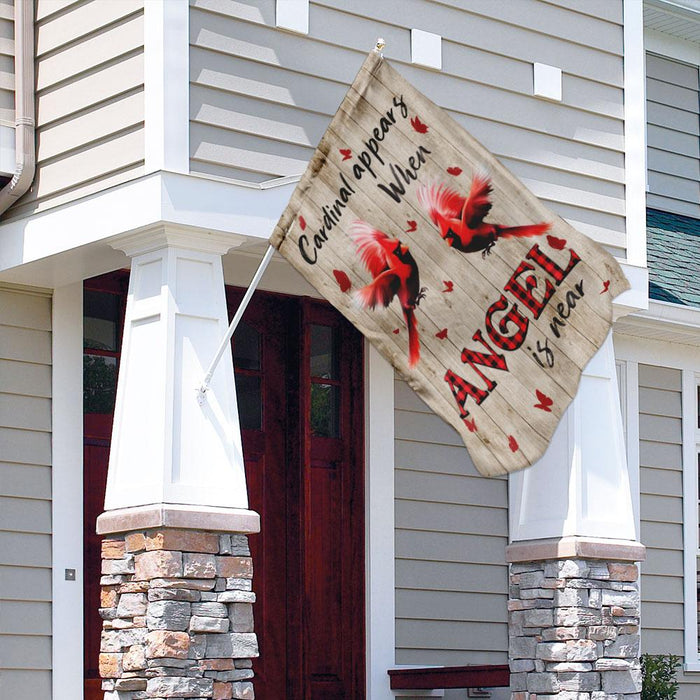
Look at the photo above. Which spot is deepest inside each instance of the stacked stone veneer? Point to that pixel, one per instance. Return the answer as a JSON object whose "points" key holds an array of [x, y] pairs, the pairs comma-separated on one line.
{"points": [[177, 616], [574, 630]]}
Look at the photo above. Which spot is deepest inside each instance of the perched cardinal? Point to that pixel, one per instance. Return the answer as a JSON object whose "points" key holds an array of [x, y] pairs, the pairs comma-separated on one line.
{"points": [[461, 220], [395, 273]]}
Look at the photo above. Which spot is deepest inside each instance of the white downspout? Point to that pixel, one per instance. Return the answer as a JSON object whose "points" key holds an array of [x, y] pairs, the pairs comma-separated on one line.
{"points": [[24, 106]]}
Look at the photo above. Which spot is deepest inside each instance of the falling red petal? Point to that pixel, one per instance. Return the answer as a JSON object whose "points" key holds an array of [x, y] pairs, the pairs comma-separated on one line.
{"points": [[449, 286], [606, 286], [346, 153], [342, 279], [412, 226], [556, 243], [441, 334], [471, 424], [302, 222], [418, 125], [396, 331], [513, 444], [454, 171]]}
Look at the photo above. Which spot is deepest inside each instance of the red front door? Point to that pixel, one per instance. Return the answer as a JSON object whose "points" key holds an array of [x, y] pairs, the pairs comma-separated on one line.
{"points": [[299, 383]]}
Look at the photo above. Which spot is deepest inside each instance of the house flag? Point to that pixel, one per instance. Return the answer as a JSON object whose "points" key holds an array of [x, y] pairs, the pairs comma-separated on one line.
{"points": [[486, 302]]}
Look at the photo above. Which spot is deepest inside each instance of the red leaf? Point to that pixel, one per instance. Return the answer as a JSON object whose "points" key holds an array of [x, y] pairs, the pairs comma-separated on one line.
{"points": [[342, 279], [513, 444], [556, 243], [606, 286], [471, 424], [454, 170], [396, 331], [441, 334], [544, 401], [412, 226], [418, 125], [302, 222], [449, 286], [346, 153]]}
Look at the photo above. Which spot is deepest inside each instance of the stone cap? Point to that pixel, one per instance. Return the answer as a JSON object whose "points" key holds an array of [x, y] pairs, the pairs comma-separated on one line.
{"points": [[574, 547], [211, 518]]}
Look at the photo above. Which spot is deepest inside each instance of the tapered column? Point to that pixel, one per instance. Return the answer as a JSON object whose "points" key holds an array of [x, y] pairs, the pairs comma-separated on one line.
{"points": [[573, 607]]}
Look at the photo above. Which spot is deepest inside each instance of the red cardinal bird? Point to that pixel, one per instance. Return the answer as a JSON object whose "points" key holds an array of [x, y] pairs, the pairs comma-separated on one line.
{"points": [[461, 220], [395, 273]]}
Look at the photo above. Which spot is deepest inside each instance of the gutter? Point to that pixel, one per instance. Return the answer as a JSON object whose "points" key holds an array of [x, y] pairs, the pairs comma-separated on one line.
{"points": [[24, 106]]}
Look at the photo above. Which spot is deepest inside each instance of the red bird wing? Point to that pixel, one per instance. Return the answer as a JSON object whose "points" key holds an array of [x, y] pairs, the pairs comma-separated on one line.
{"points": [[380, 290], [370, 242], [478, 203], [440, 199], [522, 231]]}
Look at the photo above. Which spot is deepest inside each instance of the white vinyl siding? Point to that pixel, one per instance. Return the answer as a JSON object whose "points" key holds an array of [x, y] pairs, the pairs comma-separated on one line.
{"points": [[673, 136], [261, 98], [90, 106], [25, 495], [451, 528]]}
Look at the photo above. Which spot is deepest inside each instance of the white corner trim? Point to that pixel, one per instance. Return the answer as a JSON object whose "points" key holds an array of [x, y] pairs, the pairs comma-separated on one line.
{"points": [[690, 515], [67, 491], [167, 85], [635, 132], [292, 15], [631, 387], [379, 508]]}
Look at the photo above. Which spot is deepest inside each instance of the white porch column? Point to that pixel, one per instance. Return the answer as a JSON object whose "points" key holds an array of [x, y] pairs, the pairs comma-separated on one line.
{"points": [[169, 454], [573, 609]]}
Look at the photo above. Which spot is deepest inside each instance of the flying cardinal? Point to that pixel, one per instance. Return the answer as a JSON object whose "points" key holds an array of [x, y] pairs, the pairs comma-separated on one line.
{"points": [[395, 273], [461, 220]]}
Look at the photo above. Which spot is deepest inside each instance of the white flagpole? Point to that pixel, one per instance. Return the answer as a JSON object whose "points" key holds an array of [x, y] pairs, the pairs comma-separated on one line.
{"points": [[202, 390]]}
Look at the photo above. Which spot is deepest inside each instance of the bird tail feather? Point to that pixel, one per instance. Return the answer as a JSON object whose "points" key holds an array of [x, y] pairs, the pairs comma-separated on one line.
{"points": [[524, 231], [413, 341]]}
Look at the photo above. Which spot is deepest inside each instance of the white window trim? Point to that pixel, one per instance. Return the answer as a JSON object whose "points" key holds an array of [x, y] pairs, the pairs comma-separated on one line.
{"points": [[684, 358]]}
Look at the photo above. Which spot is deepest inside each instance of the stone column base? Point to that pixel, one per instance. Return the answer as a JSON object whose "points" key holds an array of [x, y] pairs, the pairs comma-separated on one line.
{"points": [[178, 618], [573, 626]]}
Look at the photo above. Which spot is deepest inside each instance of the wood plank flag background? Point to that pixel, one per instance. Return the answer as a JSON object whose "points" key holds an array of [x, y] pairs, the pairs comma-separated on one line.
{"points": [[485, 301]]}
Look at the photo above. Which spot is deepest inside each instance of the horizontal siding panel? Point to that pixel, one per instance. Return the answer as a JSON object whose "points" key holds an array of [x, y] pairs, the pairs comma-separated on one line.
{"points": [[25, 550], [419, 575], [445, 634], [670, 94], [662, 588], [90, 53], [670, 117], [421, 428], [25, 446], [25, 652], [662, 616], [676, 206], [86, 91], [25, 344], [81, 21], [674, 187], [46, 8], [674, 72], [660, 455], [26, 412], [663, 509], [454, 547], [662, 535], [448, 488], [22, 617], [660, 402], [673, 164], [23, 515], [23, 480], [664, 642], [22, 583], [14, 683], [660, 428], [440, 517], [661, 482], [662, 562], [448, 657], [108, 118], [672, 141], [448, 459], [451, 605], [25, 310]]}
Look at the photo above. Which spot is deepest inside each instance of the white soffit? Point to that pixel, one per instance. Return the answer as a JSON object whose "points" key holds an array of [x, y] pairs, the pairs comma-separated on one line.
{"points": [[680, 18]]}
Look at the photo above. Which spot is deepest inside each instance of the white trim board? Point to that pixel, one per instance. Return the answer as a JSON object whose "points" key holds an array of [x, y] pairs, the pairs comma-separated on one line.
{"points": [[67, 491]]}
